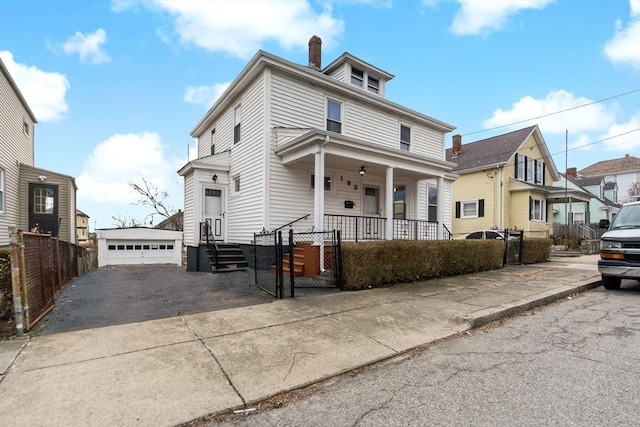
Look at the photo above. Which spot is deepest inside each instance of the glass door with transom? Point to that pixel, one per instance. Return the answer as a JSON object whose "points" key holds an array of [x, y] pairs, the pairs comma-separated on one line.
{"points": [[213, 213]]}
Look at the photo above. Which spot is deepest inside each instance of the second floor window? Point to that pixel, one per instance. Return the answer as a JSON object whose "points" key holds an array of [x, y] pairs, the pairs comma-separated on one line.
{"points": [[237, 118], [405, 137], [334, 116]]}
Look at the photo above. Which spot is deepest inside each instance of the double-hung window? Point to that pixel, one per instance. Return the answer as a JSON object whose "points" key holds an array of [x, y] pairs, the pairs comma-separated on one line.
{"points": [[539, 173], [334, 116], [530, 169], [432, 203], [373, 85], [405, 137], [1, 190], [357, 77], [237, 118], [520, 161], [537, 209]]}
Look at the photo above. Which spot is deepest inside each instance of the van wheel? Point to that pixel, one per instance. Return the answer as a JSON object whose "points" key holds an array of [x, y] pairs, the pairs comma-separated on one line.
{"points": [[610, 282]]}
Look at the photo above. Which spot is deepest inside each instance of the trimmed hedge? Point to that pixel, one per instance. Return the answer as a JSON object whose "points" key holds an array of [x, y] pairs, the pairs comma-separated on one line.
{"points": [[536, 250], [384, 263]]}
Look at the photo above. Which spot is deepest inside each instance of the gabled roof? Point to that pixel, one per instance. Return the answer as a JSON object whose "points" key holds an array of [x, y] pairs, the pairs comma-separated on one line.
{"points": [[15, 88], [584, 181], [79, 212], [496, 151], [610, 167], [610, 186]]}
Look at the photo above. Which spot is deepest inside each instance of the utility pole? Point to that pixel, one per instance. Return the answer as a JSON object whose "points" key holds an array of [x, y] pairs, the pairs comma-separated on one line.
{"points": [[566, 183]]}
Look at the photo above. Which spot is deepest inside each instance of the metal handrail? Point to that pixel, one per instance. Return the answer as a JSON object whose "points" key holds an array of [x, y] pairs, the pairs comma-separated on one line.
{"points": [[214, 246], [449, 234], [291, 223]]}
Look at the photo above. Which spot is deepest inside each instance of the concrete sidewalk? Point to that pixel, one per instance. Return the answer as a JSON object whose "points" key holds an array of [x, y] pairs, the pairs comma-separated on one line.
{"points": [[169, 371]]}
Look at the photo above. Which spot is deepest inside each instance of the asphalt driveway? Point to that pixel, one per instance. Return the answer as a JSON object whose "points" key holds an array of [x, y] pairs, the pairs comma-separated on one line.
{"points": [[124, 294]]}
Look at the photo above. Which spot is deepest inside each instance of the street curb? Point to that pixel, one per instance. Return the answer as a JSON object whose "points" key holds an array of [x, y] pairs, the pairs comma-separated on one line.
{"points": [[482, 317]]}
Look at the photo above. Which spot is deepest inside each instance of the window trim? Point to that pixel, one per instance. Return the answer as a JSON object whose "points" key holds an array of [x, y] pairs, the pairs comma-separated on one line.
{"points": [[237, 121], [359, 78], [2, 190], [236, 188], [332, 120], [543, 209], [405, 145], [373, 88], [463, 215]]}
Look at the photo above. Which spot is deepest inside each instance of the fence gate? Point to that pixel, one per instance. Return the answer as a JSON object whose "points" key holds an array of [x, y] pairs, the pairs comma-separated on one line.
{"points": [[303, 260], [513, 241]]}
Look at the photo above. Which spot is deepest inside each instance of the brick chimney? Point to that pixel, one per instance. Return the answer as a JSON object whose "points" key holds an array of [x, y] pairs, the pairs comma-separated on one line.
{"points": [[315, 53], [572, 172], [457, 144]]}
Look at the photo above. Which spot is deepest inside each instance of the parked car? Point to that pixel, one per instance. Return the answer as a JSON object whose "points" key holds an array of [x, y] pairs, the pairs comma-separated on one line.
{"points": [[483, 234], [620, 247]]}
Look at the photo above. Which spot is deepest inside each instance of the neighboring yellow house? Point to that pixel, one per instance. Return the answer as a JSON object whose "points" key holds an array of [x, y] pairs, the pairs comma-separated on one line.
{"points": [[82, 226], [506, 182]]}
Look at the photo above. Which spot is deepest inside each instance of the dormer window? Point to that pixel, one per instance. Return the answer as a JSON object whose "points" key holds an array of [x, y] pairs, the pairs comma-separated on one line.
{"points": [[357, 77], [373, 85]]}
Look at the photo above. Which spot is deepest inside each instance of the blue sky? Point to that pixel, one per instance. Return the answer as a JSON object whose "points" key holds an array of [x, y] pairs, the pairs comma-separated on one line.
{"points": [[117, 86]]}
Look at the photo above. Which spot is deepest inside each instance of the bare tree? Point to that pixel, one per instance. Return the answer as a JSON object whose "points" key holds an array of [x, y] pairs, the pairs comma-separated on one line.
{"points": [[126, 222], [157, 200], [633, 192]]}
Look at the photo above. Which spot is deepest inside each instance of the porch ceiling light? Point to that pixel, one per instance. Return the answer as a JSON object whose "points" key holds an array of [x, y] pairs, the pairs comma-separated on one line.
{"points": [[362, 171]]}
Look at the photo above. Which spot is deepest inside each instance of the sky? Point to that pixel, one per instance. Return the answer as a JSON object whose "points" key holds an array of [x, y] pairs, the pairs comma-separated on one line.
{"points": [[117, 86]]}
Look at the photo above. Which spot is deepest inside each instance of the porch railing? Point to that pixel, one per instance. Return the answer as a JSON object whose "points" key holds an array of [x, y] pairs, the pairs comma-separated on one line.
{"points": [[414, 229], [356, 228]]}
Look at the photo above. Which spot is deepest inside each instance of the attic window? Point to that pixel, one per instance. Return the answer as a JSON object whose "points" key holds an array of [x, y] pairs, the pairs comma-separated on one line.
{"points": [[357, 77], [373, 85]]}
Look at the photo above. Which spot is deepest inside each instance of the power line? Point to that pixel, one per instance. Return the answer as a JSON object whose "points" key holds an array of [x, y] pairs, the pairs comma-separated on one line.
{"points": [[556, 112], [601, 140]]}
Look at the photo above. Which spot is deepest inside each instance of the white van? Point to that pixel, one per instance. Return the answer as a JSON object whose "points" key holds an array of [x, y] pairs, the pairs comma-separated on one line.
{"points": [[620, 247]]}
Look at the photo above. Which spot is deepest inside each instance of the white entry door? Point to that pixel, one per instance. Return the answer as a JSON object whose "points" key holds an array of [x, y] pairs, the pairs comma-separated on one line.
{"points": [[213, 213], [371, 210]]}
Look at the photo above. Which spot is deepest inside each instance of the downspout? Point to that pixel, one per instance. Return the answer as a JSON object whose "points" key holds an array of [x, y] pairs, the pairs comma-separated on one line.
{"points": [[15, 280], [500, 202]]}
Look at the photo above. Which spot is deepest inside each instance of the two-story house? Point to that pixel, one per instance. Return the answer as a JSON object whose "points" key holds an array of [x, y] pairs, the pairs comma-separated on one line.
{"points": [[287, 141], [31, 198], [506, 181], [624, 172]]}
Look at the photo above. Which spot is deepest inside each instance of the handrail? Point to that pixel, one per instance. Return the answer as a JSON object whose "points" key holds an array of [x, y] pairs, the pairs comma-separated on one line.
{"points": [[207, 229], [290, 223], [447, 230]]}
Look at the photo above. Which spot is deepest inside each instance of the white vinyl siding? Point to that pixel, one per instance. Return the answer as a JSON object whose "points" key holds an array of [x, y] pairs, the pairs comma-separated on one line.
{"points": [[190, 236], [294, 105], [1, 190], [247, 163]]}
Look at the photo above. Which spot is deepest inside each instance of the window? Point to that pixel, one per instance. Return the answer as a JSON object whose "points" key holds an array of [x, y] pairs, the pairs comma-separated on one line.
{"points": [[357, 77], [25, 128], [213, 141], [399, 203], [520, 167], [237, 118], [43, 201], [373, 85], [334, 116], [578, 217], [1, 190], [327, 182], [537, 209], [539, 173], [432, 203], [530, 169], [112, 247], [236, 185], [405, 137], [470, 209]]}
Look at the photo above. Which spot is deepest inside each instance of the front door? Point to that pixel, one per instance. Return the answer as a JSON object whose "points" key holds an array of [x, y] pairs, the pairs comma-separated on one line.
{"points": [[213, 213], [371, 211], [43, 208]]}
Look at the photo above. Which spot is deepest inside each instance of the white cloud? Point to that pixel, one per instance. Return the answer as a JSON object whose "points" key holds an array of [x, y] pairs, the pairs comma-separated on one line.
{"points": [[629, 139], [44, 91], [482, 17], [205, 95], [596, 117], [241, 27], [624, 47], [124, 158], [88, 46]]}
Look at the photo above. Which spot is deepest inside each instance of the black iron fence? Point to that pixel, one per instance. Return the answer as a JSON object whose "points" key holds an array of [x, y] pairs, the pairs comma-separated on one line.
{"points": [[413, 229], [356, 228], [284, 263]]}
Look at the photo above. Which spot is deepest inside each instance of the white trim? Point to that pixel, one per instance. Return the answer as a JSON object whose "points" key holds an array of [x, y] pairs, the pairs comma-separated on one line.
{"points": [[326, 114], [462, 214]]}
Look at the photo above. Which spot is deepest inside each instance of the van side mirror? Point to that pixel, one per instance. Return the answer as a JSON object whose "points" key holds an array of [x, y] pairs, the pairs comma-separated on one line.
{"points": [[604, 223]]}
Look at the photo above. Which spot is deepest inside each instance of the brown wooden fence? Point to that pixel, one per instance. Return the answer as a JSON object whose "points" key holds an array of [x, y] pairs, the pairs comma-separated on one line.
{"points": [[46, 266]]}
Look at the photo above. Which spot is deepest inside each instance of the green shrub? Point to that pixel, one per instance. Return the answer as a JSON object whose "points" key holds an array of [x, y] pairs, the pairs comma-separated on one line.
{"points": [[536, 250], [383, 263], [6, 295]]}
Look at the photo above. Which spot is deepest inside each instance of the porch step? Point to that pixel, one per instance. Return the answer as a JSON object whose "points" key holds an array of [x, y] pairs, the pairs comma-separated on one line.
{"points": [[230, 258]]}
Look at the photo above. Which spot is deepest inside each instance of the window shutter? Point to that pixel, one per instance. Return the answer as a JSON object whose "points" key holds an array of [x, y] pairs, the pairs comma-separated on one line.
{"points": [[457, 209], [526, 166], [530, 208], [516, 167], [481, 208], [543, 166], [535, 172], [544, 210]]}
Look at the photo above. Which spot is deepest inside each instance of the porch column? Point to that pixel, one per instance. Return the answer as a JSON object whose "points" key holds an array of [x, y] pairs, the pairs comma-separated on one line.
{"points": [[440, 203], [388, 202], [318, 205]]}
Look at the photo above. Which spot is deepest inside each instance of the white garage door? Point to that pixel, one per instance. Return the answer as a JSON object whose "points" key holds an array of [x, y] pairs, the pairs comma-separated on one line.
{"points": [[140, 252]]}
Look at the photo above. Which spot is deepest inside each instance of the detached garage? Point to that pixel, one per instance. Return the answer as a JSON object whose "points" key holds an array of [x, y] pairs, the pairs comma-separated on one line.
{"points": [[139, 245]]}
